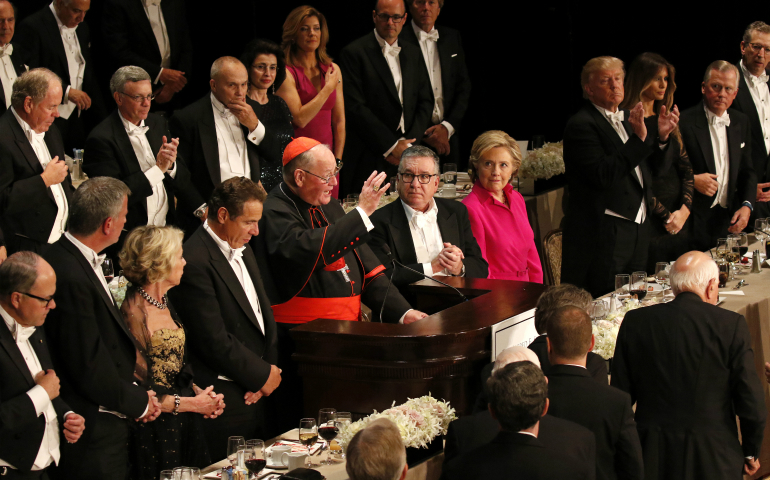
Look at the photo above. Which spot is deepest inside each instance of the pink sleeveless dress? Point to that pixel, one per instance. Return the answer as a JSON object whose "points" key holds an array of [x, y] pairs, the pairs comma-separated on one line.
{"points": [[320, 127]]}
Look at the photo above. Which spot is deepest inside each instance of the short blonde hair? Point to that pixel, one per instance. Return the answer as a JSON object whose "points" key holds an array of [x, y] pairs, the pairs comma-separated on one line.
{"points": [[493, 139], [596, 64], [376, 453], [149, 254]]}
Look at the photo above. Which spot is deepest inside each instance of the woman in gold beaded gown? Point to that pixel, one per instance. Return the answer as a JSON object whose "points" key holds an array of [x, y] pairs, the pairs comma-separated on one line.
{"points": [[152, 261]]}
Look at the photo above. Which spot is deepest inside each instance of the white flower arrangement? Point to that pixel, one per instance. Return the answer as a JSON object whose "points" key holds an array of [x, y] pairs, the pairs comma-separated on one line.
{"points": [[606, 331], [118, 287], [419, 420], [544, 162]]}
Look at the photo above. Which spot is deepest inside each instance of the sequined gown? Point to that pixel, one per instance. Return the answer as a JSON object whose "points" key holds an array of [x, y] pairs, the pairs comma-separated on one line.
{"points": [[276, 116], [171, 440]]}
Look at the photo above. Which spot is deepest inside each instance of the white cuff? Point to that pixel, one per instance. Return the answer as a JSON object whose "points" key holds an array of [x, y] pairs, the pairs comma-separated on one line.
{"points": [[401, 320], [172, 171], [390, 150], [365, 218], [65, 415], [145, 411], [39, 398], [449, 128], [154, 175], [258, 134], [427, 269], [157, 79]]}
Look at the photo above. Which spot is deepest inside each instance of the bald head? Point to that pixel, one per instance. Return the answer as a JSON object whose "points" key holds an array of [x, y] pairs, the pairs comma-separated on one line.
{"points": [[515, 354], [695, 272], [229, 80]]}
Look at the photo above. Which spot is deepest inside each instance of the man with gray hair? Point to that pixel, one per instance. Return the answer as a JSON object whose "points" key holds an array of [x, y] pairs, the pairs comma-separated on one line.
{"points": [[377, 453], [90, 342], [220, 135], [718, 142], [35, 187], [431, 236], [689, 367], [135, 146]]}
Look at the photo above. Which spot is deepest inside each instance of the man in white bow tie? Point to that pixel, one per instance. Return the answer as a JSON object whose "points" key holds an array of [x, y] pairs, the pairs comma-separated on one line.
{"points": [[444, 59], [607, 158], [390, 99], [33, 412], [430, 235], [753, 99], [718, 140], [10, 68]]}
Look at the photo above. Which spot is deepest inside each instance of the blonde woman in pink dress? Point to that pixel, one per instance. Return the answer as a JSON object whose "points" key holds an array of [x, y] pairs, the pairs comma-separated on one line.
{"points": [[313, 85], [497, 213]]}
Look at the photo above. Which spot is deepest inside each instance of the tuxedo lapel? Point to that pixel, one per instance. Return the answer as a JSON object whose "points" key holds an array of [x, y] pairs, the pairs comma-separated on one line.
{"points": [[9, 344], [445, 58], [264, 303], [746, 103], [251, 149], [402, 234], [734, 136], [154, 135], [447, 225], [143, 24], [55, 41], [381, 66], [701, 130], [125, 149], [40, 346], [208, 134], [604, 126]]}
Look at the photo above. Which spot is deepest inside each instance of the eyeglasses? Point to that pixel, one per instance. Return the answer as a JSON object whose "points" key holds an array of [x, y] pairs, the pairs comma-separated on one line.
{"points": [[423, 178], [384, 17], [46, 300], [139, 98], [329, 178], [757, 48]]}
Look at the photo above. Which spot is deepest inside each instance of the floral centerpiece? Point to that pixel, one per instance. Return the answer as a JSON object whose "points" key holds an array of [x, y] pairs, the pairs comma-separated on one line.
{"points": [[543, 163], [419, 420], [606, 331]]}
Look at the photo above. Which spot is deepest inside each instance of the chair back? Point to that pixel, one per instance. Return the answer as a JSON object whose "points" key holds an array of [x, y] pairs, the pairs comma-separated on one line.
{"points": [[552, 252]]}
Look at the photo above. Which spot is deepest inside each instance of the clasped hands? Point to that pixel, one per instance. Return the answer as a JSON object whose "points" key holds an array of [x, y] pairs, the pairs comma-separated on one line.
{"points": [[270, 385], [667, 121], [450, 258]]}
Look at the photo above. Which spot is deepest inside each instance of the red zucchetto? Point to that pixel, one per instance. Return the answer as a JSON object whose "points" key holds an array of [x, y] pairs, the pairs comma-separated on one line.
{"points": [[297, 147]]}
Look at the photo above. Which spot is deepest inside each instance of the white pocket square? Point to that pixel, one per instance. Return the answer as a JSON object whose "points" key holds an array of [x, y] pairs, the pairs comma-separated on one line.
{"points": [[454, 55], [743, 145]]}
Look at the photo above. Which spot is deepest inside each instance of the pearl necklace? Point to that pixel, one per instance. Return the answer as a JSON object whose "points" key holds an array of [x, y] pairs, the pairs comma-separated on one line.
{"points": [[152, 301]]}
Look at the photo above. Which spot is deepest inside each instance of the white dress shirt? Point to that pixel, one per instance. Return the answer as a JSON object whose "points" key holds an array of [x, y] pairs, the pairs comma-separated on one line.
{"points": [[231, 144], [761, 96], [157, 203], [428, 45], [76, 64], [718, 132], [37, 141], [49, 446], [391, 52], [616, 120], [7, 73], [158, 24], [426, 235]]}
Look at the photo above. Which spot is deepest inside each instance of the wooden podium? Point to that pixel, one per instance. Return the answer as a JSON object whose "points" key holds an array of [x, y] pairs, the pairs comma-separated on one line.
{"points": [[361, 367]]}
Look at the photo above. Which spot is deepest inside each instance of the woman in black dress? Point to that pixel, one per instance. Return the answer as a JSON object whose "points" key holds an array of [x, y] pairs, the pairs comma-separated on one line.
{"points": [[152, 261], [267, 70], [650, 80]]}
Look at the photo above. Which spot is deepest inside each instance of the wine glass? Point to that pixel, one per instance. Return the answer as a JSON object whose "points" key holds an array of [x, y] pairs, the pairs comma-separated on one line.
{"points": [[308, 435], [661, 274], [734, 252], [327, 428], [232, 449], [344, 419], [598, 310], [182, 473], [254, 457], [638, 285], [195, 473], [722, 248], [108, 270], [760, 225]]}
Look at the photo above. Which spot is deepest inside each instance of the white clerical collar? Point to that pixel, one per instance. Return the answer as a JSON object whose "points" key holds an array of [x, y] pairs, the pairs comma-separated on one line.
{"points": [[129, 126], [382, 41], [410, 212], [15, 327], [59, 22], [417, 29], [228, 251]]}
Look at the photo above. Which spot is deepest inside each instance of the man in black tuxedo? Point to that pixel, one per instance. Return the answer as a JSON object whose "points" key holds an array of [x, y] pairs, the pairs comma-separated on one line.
{"points": [[574, 396], [135, 146], [12, 66], [753, 99], [718, 142], [444, 59], [606, 152], [30, 406], [231, 330], [689, 367], [388, 101], [89, 340], [518, 400], [152, 35], [55, 37], [471, 432], [219, 135], [35, 187], [430, 235]]}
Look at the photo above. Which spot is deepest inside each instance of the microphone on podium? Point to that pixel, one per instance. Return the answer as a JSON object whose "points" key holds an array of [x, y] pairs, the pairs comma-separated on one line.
{"points": [[393, 261]]}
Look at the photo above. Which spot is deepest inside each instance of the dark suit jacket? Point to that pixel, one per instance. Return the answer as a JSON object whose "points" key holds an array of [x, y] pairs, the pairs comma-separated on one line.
{"points": [[92, 348], [373, 109], [689, 367], [223, 333], [41, 41], [455, 81], [600, 174], [604, 410], [391, 229], [195, 128], [110, 154], [27, 207], [20, 427], [129, 39], [520, 456], [18, 66]]}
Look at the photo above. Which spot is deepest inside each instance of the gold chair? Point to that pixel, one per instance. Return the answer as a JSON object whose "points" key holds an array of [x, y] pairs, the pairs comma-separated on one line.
{"points": [[552, 252]]}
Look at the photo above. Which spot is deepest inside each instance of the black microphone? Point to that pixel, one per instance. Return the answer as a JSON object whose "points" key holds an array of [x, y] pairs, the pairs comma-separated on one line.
{"points": [[393, 261]]}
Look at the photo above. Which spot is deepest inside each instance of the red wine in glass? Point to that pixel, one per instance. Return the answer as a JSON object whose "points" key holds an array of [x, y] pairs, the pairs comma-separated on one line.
{"points": [[640, 293], [328, 433], [255, 465]]}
